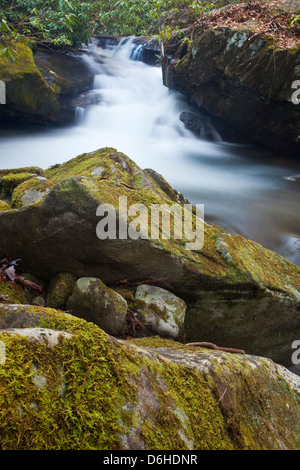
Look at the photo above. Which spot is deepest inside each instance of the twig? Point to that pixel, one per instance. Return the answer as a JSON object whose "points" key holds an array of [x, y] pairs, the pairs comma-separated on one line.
{"points": [[26, 283], [86, 375], [222, 395], [219, 348]]}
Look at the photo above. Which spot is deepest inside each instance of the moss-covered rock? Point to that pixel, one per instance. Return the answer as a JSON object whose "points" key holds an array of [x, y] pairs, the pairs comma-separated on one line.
{"points": [[30, 191], [10, 181], [76, 388], [231, 71], [232, 286], [40, 85], [28, 96], [4, 206], [92, 300], [59, 290]]}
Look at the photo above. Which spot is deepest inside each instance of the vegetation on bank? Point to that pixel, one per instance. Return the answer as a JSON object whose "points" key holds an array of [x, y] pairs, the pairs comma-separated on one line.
{"points": [[72, 23], [69, 23]]}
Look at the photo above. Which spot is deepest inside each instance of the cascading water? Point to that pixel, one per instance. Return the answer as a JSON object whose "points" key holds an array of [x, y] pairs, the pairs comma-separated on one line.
{"points": [[242, 188]]}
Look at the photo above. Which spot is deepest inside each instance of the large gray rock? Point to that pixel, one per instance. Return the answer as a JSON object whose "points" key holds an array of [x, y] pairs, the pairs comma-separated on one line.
{"points": [[94, 301]]}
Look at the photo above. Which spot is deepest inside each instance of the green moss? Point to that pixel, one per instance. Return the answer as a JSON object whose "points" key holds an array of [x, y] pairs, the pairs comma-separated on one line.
{"points": [[27, 91], [35, 184], [11, 180], [15, 293], [59, 290], [4, 206]]}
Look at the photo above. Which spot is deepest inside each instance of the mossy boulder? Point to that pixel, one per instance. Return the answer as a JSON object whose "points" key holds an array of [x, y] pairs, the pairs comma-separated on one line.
{"points": [[233, 287], [4, 206], [231, 70], [10, 181], [69, 74], [28, 96], [162, 311], [77, 388], [41, 84], [59, 290], [30, 191], [93, 300]]}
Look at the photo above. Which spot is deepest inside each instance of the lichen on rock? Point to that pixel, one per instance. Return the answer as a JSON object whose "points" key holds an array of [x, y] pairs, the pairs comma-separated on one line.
{"points": [[93, 300], [59, 290], [163, 312]]}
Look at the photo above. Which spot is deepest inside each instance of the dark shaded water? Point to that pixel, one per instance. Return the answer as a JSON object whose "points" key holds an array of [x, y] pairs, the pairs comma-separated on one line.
{"points": [[246, 189]]}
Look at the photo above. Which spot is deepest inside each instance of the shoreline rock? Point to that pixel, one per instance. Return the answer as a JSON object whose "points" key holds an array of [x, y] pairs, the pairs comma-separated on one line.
{"points": [[41, 85], [230, 73], [77, 388]]}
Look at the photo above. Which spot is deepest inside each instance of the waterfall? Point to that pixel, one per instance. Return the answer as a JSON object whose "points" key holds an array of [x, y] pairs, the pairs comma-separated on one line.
{"points": [[79, 115]]}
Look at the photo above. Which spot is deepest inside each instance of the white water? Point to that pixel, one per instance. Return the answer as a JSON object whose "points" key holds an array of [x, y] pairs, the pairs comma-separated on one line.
{"points": [[242, 188]]}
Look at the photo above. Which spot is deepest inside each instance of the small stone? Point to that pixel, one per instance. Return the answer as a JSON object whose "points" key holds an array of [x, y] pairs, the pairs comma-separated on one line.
{"points": [[60, 288], [94, 301], [39, 300], [164, 312]]}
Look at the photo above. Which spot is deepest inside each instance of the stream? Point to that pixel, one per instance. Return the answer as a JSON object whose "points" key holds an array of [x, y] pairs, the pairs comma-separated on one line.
{"points": [[244, 188]]}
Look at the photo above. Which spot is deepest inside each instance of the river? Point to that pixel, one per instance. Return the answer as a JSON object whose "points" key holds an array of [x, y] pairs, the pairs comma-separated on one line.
{"points": [[244, 188]]}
